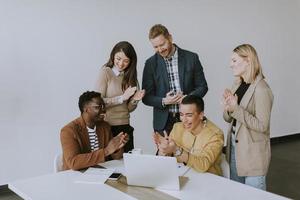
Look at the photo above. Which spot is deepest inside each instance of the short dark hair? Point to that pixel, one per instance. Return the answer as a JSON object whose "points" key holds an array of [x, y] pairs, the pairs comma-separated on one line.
{"points": [[87, 97], [193, 99], [157, 30]]}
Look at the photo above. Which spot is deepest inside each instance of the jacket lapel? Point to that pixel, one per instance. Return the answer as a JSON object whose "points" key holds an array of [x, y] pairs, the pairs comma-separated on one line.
{"points": [[163, 69], [101, 134], [246, 98], [83, 134], [181, 67]]}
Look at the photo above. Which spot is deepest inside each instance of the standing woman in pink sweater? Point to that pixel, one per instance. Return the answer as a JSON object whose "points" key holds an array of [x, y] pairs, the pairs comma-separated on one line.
{"points": [[119, 88]]}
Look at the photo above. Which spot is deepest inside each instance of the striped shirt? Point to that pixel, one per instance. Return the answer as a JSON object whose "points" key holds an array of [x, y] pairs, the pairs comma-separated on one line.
{"points": [[173, 77], [93, 138]]}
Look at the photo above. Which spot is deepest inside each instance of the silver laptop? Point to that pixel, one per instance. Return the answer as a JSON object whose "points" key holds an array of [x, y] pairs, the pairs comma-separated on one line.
{"points": [[151, 171]]}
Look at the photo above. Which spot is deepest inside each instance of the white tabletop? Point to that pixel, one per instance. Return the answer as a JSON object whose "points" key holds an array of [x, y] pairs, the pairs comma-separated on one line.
{"points": [[198, 186], [62, 186], [209, 186]]}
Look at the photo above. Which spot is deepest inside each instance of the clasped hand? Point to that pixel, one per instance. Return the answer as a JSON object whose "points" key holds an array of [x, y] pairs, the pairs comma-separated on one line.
{"points": [[229, 100], [172, 98], [116, 143], [138, 95], [128, 93], [132, 92], [165, 144]]}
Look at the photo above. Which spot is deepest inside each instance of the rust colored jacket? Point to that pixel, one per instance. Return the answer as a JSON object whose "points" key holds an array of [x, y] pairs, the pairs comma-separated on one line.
{"points": [[76, 148]]}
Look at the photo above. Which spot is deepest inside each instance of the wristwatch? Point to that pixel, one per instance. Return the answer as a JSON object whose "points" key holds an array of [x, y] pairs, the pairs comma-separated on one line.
{"points": [[135, 102], [178, 151]]}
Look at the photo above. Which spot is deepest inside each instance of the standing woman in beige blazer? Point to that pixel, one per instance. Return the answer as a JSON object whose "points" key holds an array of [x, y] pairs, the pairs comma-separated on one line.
{"points": [[119, 89], [247, 109]]}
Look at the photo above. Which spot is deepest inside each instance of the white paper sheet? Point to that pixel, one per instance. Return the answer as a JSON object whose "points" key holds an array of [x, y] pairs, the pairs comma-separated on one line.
{"points": [[94, 176], [116, 165]]}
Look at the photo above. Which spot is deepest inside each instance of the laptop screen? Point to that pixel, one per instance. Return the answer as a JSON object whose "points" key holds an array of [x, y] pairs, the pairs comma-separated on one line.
{"points": [[151, 171]]}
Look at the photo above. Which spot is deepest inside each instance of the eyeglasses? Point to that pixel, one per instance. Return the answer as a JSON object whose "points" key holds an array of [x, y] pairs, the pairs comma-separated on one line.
{"points": [[98, 107]]}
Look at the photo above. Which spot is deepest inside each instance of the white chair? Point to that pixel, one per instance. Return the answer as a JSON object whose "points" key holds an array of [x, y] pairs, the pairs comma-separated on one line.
{"points": [[225, 166], [58, 163]]}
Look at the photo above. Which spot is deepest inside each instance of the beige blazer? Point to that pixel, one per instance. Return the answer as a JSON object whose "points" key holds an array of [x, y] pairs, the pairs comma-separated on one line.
{"points": [[252, 116]]}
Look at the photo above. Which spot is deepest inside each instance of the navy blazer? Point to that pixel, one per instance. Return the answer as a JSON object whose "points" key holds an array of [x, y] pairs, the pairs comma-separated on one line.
{"points": [[156, 83]]}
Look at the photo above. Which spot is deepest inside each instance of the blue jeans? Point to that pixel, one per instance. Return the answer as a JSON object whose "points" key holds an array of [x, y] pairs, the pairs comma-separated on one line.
{"points": [[254, 181]]}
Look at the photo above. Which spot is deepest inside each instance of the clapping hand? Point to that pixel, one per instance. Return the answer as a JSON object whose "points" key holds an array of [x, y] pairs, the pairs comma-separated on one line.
{"points": [[139, 95], [229, 100], [164, 143], [128, 93], [172, 98], [116, 143]]}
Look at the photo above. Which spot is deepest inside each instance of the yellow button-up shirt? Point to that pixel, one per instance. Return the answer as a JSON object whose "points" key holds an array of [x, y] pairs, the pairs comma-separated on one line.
{"points": [[204, 145]]}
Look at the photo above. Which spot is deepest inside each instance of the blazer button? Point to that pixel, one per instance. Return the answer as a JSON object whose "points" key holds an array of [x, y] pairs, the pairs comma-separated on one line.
{"points": [[236, 141]]}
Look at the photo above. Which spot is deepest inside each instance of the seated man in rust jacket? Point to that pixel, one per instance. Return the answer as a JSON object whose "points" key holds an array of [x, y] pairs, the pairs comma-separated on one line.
{"points": [[87, 140]]}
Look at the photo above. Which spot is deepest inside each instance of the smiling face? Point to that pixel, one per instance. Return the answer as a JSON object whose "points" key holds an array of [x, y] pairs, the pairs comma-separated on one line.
{"points": [[121, 61], [162, 45], [238, 65], [189, 115], [95, 109]]}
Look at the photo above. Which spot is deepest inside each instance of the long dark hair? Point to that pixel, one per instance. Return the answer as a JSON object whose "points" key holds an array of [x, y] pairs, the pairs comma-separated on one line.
{"points": [[130, 73]]}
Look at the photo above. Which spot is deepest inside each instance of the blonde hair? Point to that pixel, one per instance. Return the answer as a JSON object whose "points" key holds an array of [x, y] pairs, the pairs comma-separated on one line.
{"points": [[158, 29], [246, 51]]}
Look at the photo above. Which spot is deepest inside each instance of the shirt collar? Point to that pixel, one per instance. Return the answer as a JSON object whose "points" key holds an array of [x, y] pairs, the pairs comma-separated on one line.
{"points": [[175, 54], [201, 127], [116, 71], [91, 129]]}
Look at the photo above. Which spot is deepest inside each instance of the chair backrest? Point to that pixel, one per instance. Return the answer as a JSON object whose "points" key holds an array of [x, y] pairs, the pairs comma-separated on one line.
{"points": [[58, 163], [225, 166]]}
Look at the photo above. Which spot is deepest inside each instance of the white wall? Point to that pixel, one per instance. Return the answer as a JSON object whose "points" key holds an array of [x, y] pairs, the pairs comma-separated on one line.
{"points": [[51, 51]]}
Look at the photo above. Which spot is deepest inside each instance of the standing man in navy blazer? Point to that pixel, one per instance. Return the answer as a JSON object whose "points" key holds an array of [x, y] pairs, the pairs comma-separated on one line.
{"points": [[169, 75]]}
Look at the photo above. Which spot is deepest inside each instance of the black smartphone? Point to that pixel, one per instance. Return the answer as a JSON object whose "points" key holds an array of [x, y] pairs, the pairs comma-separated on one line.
{"points": [[115, 176]]}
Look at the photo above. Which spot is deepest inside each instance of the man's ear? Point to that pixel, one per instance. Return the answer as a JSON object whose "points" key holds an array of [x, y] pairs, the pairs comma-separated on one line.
{"points": [[201, 114], [85, 109], [170, 38]]}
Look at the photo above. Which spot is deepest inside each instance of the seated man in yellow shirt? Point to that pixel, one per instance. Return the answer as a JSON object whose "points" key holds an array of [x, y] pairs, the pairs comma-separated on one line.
{"points": [[195, 141]]}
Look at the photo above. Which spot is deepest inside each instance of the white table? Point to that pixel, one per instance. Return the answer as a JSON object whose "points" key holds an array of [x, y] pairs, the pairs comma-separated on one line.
{"points": [[62, 186], [199, 186], [209, 186]]}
